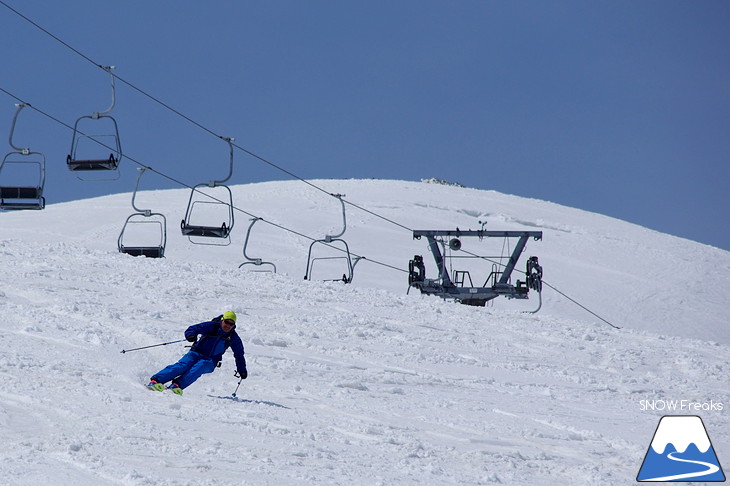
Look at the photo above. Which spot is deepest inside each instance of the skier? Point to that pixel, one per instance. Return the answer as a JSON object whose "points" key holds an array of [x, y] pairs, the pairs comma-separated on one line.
{"points": [[205, 354]]}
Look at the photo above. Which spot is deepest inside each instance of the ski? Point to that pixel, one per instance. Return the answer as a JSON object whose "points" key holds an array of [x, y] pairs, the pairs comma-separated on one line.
{"points": [[154, 386]]}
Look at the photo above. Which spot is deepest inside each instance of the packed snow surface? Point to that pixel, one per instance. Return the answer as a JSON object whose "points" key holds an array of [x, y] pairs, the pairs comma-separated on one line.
{"points": [[359, 384]]}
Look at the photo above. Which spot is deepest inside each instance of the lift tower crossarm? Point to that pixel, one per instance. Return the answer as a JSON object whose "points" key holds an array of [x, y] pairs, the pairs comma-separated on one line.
{"points": [[522, 235], [480, 233], [474, 295]]}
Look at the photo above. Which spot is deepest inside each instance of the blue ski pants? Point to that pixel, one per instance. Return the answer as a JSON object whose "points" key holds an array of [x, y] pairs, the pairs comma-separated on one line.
{"points": [[190, 367]]}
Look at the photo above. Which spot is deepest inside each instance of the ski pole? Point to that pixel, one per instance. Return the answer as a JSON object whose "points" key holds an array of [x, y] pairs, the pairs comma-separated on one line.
{"points": [[152, 346], [239, 383]]}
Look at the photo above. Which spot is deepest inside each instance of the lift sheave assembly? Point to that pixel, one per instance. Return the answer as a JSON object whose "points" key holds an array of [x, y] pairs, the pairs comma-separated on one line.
{"points": [[459, 285]]}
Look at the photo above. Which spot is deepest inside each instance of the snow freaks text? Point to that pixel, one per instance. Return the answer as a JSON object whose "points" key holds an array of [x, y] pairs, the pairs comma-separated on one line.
{"points": [[680, 406]]}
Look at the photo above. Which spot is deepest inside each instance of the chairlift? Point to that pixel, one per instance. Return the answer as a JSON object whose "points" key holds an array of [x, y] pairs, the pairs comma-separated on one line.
{"points": [[328, 240], [137, 225], [258, 262], [205, 203], [26, 172], [79, 164], [496, 284]]}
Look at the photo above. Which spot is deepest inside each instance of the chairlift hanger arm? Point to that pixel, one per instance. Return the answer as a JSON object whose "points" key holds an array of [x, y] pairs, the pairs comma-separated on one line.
{"points": [[253, 261], [146, 212], [23, 151], [97, 114], [329, 238], [229, 141], [245, 243]]}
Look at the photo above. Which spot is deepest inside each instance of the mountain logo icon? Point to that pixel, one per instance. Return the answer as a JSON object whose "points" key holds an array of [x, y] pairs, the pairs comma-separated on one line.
{"points": [[681, 451]]}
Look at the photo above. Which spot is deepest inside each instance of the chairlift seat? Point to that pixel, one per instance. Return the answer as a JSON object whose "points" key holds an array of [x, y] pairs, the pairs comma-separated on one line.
{"points": [[146, 251], [17, 198], [209, 231], [93, 164], [23, 192]]}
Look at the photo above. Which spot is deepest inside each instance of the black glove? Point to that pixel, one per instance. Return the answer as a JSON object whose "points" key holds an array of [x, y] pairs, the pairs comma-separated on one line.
{"points": [[191, 337], [242, 374]]}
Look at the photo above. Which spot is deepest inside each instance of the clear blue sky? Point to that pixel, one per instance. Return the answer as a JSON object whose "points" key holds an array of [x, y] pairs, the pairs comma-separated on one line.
{"points": [[622, 108]]}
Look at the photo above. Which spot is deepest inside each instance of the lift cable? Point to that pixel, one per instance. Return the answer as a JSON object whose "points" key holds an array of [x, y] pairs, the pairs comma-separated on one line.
{"points": [[276, 225], [546, 283], [192, 121], [252, 154], [183, 184], [581, 305]]}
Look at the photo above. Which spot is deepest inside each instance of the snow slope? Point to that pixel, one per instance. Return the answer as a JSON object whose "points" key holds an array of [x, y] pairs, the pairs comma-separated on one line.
{"points": [[351, 384]]}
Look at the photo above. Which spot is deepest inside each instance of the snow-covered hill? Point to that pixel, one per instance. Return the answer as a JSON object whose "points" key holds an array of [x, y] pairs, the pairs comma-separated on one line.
{"points": [[360, 383]]}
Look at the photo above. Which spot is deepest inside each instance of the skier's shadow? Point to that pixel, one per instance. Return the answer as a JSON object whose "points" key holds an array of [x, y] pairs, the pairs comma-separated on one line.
{"points": [[243, 400]]}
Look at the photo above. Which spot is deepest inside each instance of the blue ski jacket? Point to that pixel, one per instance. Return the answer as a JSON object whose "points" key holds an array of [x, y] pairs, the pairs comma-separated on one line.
{"points": [[214, 342]]}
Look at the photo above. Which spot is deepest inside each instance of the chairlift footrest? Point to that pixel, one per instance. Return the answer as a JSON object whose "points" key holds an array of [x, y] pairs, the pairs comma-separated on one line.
{"points": [[18, 205], [146, 251], [207, 231], [93, 164]]}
